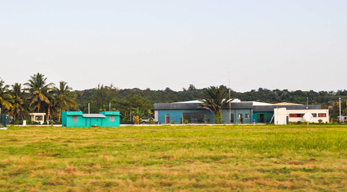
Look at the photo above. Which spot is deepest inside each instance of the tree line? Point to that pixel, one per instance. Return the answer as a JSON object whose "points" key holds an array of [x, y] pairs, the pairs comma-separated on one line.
{"points": [[39, 95]]}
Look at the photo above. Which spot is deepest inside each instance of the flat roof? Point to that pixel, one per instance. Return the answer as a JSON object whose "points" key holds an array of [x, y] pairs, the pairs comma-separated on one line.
{"points": [[255, 105], [93, 116]]}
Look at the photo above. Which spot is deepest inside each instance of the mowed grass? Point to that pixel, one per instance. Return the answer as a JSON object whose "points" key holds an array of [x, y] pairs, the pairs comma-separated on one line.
{"points": [[174, 158]]}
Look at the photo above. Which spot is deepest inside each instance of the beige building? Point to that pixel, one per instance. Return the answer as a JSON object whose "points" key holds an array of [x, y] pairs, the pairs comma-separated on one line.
{"points": [[38, 117]]}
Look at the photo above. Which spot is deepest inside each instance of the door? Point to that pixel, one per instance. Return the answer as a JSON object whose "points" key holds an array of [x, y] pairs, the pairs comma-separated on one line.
{"points": [[232, 118], [287, 120], [261, 118], [266, 119], [167, 118]]}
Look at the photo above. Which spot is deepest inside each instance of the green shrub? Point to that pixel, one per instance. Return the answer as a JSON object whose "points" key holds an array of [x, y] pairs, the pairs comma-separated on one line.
{"points": [[186, 121], [172, 122], [299, 122], [320, 121], [218, 118]]}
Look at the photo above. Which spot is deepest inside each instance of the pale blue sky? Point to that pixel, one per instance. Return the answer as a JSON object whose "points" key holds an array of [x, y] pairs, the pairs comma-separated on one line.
{"points": [[285, 44]]}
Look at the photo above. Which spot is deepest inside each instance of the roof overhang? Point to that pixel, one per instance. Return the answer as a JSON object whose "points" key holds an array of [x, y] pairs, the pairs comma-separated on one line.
{"points": [[93, 116]]}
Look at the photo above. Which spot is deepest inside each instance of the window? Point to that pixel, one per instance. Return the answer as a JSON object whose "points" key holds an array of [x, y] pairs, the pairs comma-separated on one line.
{"points": [[247, 116], [195, 117], [74, 119], [296, 115], [39, 118], [314, 114], [322, 115], [111, 118]]}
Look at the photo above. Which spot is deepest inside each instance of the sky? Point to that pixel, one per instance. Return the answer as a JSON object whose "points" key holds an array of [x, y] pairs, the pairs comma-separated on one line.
{"points": [[295, 45]]}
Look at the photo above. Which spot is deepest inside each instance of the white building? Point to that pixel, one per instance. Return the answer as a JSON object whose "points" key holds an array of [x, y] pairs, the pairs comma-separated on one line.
{"points": [[283, 116], [37, 117]]}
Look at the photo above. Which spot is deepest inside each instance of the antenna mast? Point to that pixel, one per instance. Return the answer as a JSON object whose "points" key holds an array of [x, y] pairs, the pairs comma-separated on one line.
{"points": [[229, 99]]}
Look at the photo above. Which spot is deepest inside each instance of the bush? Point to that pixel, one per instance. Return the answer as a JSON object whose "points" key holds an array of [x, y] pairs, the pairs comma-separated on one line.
{"points": [[186, 121], [17, 122], [172, 122], [320, 121], [125, 122], [218, 118], [299, 122]]}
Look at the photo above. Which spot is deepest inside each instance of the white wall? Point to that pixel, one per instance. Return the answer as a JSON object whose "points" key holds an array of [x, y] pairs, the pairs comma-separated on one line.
{"points": [[280, 116], [314, 119], [156, 116]]}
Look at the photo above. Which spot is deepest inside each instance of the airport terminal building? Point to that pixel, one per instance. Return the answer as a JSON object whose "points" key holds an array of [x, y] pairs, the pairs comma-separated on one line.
{"points": [[239, 112]]}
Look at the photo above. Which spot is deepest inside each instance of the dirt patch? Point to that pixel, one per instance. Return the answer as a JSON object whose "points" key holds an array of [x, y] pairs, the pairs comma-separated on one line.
{"points": [[70, 170], [47, 154], [294, 162]]}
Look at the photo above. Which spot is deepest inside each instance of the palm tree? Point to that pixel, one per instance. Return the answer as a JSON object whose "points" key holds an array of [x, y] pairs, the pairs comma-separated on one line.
{"points": [[39, 90], [215, 98], [64, 97], [52, 106], [5, 96], [18, 105]]}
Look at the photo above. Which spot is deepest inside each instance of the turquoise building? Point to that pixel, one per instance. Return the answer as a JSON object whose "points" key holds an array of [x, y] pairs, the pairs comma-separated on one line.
{"points": [[192, 112], [239, 112], [102, 119]]}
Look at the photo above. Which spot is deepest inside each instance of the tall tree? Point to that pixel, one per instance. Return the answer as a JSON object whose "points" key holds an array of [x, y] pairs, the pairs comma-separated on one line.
{"points": [[18, 104], [64, 97], [215, 98], [51, 107], [102, 96], [39, 90], [5, 96]]}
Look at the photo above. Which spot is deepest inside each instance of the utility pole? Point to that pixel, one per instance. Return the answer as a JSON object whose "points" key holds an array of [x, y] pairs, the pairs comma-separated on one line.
{"points": [[229, 98], [88, 108], [340, 110], [307, 103]]}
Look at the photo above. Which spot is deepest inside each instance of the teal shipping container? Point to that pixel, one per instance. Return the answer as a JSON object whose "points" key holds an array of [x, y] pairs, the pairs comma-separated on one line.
{"points": [[101, 119]]}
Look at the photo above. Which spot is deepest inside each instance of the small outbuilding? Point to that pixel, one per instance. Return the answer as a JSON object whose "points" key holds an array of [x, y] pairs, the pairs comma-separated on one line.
{"points": [[101, 119], [38, 117]]}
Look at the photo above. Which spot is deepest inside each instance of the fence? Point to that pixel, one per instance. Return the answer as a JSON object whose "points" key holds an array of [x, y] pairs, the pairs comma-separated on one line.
{"points": [[3, 120]]}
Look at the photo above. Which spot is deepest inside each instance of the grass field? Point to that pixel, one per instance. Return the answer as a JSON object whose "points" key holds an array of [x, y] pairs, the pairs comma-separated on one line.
{"points": [[174, 158]]}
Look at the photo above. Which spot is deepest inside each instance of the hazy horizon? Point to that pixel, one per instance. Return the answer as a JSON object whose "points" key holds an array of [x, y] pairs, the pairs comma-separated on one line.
{"points": [[294, 45]]}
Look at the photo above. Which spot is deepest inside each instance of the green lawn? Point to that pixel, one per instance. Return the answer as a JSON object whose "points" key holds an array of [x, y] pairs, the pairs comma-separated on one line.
{"points": [[174, 158]]}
